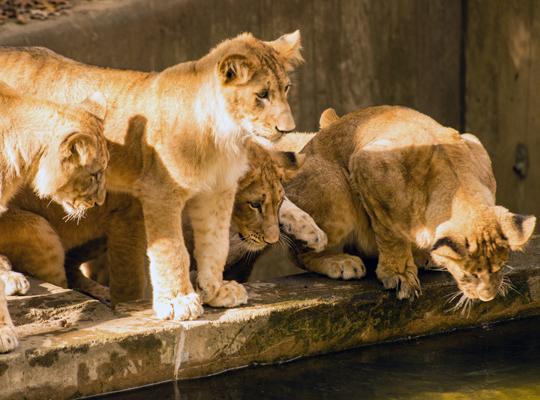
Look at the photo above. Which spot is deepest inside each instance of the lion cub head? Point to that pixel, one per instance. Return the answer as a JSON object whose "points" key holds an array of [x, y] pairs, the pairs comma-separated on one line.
{"points": [[255, 85], [476, 259], [260, 194], [72, 170]]}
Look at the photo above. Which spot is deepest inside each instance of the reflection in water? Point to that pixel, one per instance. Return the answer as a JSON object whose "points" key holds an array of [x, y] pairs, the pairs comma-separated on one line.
{"points": [[496, 362]]}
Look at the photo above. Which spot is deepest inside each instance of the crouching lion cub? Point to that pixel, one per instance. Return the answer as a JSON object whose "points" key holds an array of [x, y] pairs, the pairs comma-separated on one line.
{"points": [[388, 180]]}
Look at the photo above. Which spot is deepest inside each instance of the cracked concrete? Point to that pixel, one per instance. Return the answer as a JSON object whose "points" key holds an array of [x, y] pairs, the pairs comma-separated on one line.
{"points": [[71, 345]]}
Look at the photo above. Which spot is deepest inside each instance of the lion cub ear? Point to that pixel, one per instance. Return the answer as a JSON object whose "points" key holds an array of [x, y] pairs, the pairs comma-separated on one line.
{"points": [[95, 104], [77, 148], [327, 117], [288, 47], [516, 227], [289, 161], [235, 69]]}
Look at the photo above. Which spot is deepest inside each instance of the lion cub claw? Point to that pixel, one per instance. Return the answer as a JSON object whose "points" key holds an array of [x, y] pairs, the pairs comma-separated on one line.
{"points": [[406, 284], [230, 294], [179, 308], [15, 283], [343, 266], [8, 339]]}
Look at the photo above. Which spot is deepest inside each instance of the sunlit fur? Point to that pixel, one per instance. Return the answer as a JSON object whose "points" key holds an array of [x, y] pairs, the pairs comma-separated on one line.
{"points": [[177, 137], [389, 180], [59, 151]]}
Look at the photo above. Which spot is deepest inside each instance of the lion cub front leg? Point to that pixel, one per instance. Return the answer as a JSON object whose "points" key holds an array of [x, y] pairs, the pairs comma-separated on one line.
{"points": [[396, 268], [172, 293], [210, 216]]}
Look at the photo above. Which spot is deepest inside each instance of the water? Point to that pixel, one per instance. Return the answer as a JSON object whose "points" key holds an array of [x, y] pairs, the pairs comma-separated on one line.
{"points": [[495, 362]]}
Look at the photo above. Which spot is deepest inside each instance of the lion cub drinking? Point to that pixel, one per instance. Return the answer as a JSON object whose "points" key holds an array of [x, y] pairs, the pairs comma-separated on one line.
{"points": [[387, 180], [59, 151]]}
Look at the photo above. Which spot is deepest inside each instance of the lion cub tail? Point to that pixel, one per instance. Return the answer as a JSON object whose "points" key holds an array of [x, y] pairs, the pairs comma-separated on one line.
{"points": [[328, 116]]}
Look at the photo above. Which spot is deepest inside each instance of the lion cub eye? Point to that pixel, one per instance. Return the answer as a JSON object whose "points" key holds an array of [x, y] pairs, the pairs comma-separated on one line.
{"points": [[263, 94], [256, 205], [287, 88]]}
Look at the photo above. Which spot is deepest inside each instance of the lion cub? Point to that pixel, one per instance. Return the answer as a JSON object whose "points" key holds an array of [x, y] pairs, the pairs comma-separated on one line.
{"points": [[387, 180], [59, 151]]}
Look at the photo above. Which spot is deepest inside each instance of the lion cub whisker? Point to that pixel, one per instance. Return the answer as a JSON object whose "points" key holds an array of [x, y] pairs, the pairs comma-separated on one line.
{"points": [[464, 304], [506, 285], [75, 215], [287, 242], [452, 296]]}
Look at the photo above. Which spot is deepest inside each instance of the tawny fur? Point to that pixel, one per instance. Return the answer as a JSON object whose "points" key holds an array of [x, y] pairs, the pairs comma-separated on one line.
{"points": [[59, 151], [388, 180], [177, 137]]}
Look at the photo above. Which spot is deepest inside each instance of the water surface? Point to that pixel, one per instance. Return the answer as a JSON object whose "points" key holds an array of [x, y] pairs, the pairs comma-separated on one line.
{"points": [[494, 362]]}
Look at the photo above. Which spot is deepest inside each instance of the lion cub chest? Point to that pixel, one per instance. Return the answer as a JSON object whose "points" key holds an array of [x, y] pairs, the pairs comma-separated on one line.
{"points": [[221, 173]]}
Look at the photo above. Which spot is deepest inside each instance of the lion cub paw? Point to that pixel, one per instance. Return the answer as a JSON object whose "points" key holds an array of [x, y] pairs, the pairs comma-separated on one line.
{"points": [[15, 283], [407, 283], [317, 241], [8, 338], [230, 294], [299, 225], [179, 308], [342, 266]]}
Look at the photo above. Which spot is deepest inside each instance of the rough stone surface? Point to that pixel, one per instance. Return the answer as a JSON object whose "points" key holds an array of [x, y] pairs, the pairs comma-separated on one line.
{"points": [[73, 346]]}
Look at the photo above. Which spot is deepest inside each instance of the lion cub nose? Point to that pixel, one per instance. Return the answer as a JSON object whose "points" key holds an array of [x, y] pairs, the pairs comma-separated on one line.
{"points": [[285, 123], [271, 236], [486, 294]]}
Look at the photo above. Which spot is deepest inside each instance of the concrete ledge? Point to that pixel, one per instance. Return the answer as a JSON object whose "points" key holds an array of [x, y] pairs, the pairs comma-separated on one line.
{"points": [[73, 346]]}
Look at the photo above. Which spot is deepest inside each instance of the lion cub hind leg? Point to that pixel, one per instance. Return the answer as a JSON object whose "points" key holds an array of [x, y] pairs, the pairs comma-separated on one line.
{"points": [[396, 268], [14, 282], [335, 266], [8, 337], [210, 216]]}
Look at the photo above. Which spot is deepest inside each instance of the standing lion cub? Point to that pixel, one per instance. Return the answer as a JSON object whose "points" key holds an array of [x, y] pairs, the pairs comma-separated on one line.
{"points": [[61, 153], [176, 138], [387, 180]]}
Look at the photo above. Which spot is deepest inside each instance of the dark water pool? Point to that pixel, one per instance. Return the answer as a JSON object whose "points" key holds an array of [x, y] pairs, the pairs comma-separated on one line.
{"points": [[495, 362]]}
